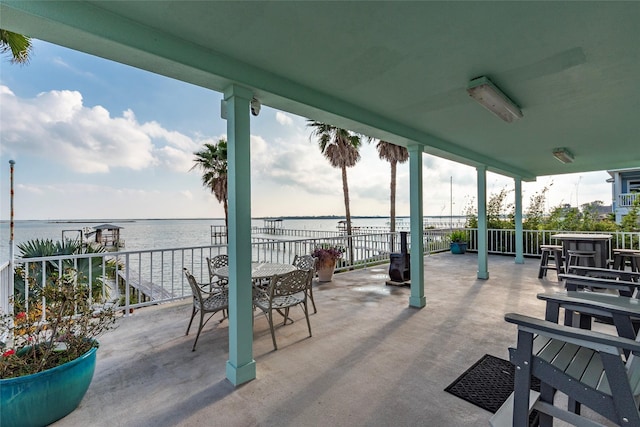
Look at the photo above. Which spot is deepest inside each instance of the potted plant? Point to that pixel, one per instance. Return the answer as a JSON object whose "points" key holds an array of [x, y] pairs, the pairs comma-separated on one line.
{"points": [[49, 351], [327, 256], [458, 239]]}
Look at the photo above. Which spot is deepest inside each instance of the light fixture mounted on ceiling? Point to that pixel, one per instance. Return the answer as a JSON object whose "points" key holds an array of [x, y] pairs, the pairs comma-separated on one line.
{"points": [[562, 154], [493, 99]]}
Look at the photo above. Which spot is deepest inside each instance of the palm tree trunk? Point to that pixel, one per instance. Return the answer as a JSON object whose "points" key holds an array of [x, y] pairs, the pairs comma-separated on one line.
{"points": [[393, 196], [345, 191], [392, 204]]}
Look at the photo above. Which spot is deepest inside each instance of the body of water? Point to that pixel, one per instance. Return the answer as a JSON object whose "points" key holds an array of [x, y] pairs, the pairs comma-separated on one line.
{"points": [[141, 234]]}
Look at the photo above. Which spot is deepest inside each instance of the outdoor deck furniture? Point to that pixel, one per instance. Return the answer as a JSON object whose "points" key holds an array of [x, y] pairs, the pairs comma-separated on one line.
{"points": [[215, 263], [307, 263], [581, 369], [624, 312], [259, 270], [635, 262], [550, 252], [586, 242], [574, 282], [205, 303], [605, 273], [283, 292], [620, 257], [585, 365], [587, 258]]}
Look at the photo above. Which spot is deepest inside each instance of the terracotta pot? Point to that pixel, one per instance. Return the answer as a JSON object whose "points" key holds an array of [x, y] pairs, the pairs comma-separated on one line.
{"points": [[325, 273]]}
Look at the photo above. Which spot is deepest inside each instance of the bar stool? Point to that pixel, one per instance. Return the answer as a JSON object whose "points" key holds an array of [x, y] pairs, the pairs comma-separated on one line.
{"points": [[550, 251], [620, 258], [576, 258], [635, 262]]}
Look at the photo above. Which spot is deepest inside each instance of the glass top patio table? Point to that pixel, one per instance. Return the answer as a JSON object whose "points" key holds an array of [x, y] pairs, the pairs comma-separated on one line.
{"points": [[259, 270]]}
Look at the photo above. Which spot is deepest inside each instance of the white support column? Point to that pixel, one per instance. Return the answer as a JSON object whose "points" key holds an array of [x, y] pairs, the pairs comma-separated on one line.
{"points": [[241, 367], [518, 221], [417, 298], [483, 270]]}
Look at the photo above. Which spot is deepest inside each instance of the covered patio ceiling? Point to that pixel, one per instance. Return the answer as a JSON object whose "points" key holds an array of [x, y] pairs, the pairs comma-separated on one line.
{"points": [[393, 70]]}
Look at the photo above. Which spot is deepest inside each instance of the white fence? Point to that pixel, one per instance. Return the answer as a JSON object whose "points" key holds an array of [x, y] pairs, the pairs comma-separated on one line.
{"points": [[503, 241], [155, 276]]}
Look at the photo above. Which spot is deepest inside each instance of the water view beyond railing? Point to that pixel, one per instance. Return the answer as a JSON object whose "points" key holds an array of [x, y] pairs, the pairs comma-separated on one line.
{"points": [[131, 279]]}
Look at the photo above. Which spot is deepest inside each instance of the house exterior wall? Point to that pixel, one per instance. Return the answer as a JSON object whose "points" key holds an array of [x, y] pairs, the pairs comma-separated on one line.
{"points": [[625, 188]]}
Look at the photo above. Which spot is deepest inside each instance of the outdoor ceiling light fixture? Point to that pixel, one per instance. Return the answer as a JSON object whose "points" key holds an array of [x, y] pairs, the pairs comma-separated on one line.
{"points": [[493, 99], [563, 155]]}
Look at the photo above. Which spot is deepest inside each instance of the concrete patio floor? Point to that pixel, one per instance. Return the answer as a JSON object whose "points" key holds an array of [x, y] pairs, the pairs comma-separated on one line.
{"points": [[372, 360]]}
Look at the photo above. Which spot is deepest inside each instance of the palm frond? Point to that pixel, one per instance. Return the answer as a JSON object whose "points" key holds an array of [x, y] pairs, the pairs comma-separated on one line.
{"points": [[391, 152], [18, 46]]}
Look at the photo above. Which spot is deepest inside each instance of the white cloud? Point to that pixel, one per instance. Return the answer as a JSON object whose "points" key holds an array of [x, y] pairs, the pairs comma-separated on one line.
{"points": [[284, 119], [5, 91], [59, 62], [57, 126], [289, 174], [33, 189]]}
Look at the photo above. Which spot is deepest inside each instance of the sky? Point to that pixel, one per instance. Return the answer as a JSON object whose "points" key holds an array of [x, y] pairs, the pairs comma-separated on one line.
{"points": [[94, 139]]}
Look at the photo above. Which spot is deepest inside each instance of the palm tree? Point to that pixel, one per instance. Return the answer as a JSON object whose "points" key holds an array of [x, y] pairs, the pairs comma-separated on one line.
{"points": [[85, 267], [394, 154], [212, 161], [341, 147], [17, 45]]}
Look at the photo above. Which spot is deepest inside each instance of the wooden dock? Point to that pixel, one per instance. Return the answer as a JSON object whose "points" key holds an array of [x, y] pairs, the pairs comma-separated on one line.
{"points": [[151, 291]]}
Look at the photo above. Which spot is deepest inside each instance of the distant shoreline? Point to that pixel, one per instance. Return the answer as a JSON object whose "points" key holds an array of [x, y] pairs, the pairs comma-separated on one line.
{"points": [[110, 220]]}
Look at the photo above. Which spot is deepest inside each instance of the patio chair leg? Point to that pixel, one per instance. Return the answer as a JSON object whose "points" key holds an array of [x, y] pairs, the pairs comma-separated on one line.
{"points": [[306, 314], [199, 330], [546, 395], [313, 302], [286, 316], [193, 314], [273, 332]]}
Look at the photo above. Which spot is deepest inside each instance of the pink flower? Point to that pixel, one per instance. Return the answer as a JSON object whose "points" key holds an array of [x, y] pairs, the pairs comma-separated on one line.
{"points": [[21, 315], [8, 353]]}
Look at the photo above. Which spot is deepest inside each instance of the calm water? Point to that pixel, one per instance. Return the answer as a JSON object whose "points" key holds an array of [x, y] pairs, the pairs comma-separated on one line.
{"points": [[165, 233]]}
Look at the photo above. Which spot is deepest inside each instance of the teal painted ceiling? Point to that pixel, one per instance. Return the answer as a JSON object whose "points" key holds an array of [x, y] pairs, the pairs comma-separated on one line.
{"points": [[393, 70]]}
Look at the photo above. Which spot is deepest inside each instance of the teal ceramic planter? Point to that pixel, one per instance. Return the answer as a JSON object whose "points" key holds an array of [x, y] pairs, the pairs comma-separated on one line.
{"points": [[458, 248], [42, 398]]}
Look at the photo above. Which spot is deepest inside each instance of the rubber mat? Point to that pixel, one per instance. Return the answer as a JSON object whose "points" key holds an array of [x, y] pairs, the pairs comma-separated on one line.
{"points": [[488, 383]]}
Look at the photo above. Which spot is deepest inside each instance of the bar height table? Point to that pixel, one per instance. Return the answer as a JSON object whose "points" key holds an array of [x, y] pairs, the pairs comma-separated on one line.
{"points": [[598, 243]]}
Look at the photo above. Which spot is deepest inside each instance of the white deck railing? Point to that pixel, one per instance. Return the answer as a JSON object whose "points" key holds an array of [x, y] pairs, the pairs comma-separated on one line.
{"points": [[503, 241], [155, 276]]}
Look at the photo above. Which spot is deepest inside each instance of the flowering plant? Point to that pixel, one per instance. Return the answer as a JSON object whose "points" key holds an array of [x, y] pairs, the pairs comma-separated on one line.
{"points": [[327, 254], [53, 332]]}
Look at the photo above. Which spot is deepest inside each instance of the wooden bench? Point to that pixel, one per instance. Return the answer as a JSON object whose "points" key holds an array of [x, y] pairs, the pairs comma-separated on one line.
{"points": [[604, 273], [582, 307], [574, 282], [585, 365]]}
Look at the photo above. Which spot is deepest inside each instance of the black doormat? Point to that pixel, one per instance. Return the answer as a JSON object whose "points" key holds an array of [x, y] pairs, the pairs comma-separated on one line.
{"points": [[488, 383]]}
